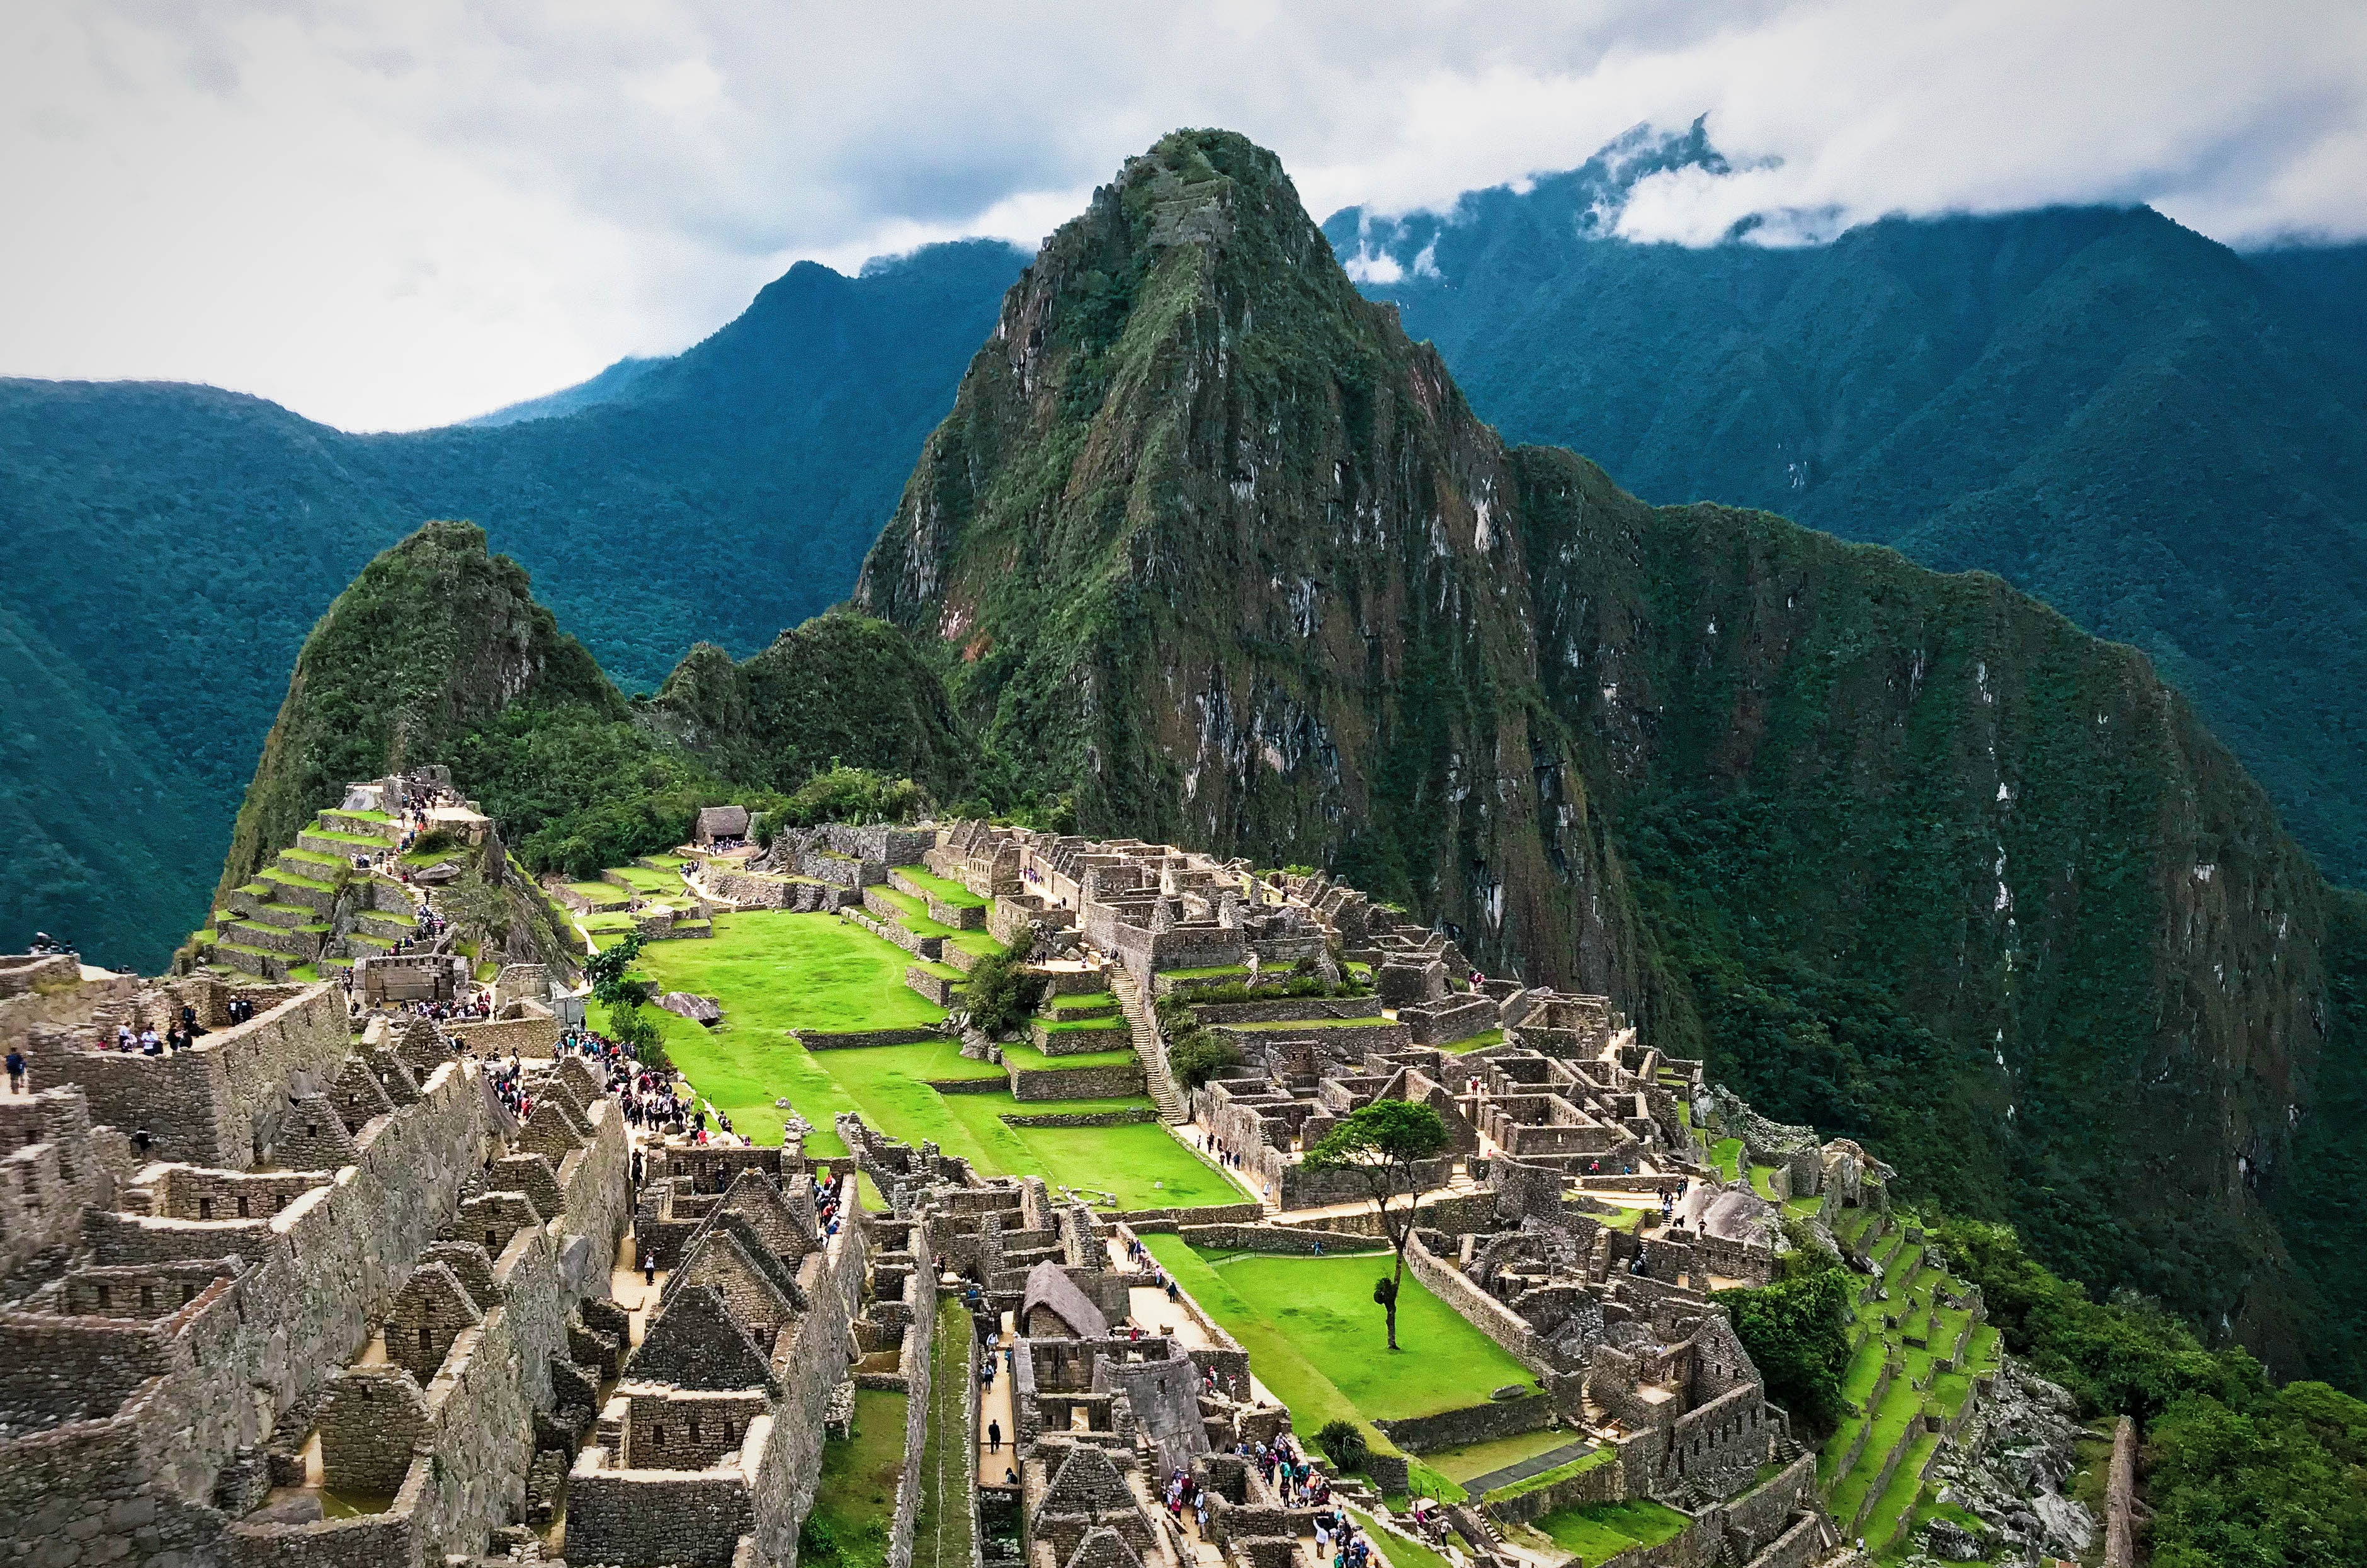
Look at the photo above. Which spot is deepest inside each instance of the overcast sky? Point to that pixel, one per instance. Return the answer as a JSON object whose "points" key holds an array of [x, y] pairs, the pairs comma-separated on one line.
{"points": [[395, 214]]}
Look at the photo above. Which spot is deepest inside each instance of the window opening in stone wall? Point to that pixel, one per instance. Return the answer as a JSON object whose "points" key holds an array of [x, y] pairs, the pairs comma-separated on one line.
{"points": [[426, 1345], [242, 1206], [205, 1208], [102, 1298], [147, 1297]]}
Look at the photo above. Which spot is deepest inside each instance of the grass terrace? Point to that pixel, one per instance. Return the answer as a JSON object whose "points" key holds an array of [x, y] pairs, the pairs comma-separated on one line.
{"points": [[1479, 1041], [855, 1499], [1726, 1155], [1317, 1340], [1603, 1530], [943, 890], [774, 971]]}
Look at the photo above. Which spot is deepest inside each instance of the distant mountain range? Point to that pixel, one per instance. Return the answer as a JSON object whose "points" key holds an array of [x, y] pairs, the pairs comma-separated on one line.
{"points": [[164, 548], [2163, 439], [2159, 437]]}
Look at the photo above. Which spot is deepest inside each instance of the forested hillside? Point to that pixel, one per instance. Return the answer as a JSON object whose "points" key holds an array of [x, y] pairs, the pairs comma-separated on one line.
{"points": [[164, 548], [1209, 541], [2166, 441]]}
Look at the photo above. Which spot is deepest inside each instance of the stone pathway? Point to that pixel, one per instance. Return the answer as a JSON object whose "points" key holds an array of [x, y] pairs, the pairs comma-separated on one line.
{"points": [[994, 1405], [1536, 1464]]}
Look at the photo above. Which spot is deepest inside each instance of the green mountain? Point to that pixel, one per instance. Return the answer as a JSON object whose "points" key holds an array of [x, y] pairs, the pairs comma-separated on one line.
{"points": [[439, 652], [2165, 440], [723, 495], [1209, 542]]}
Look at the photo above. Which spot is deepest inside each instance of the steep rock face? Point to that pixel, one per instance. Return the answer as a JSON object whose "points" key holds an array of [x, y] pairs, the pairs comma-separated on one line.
{"points": [[1830, 770], [432, 641], [1212, 544], [1208, 541]]}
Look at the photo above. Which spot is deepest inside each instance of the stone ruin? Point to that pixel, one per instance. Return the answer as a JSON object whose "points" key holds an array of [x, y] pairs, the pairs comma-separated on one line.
{"points": [[337, 1274]]}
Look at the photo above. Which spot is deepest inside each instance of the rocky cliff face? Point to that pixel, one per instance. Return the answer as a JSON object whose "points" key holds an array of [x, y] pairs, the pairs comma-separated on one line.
{"points": [[1208, 541]]}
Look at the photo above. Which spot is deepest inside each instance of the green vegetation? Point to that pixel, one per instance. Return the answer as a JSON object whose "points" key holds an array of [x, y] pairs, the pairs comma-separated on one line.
{"points": [[1919, 426], [1480, 1459], [1797, 1334], [1001, 994], [775, 972], [2235, 1471], [1307, 1324], [944, 1530], [855, 1500], [1383, 1144], [1602, 1530]]}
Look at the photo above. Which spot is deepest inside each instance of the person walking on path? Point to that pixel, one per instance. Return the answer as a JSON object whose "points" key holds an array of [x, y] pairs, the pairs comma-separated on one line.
{"points": [[995, 1436], [16, 1071]]}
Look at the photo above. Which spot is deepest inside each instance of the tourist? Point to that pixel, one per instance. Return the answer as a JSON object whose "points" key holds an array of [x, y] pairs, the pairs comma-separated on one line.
{"points": [[16, 1071], [995, 1436]]}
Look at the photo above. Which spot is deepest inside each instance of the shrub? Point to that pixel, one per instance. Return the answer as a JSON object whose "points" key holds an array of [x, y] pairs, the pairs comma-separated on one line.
{"points": [[1797, 1334], [630, 1026], [1196, 1055], [1001, 994], [1345, 1444]]}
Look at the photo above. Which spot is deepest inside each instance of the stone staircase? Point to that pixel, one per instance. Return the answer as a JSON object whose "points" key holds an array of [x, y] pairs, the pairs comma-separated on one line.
{"points": [[283, 921], [1148, 1044]]}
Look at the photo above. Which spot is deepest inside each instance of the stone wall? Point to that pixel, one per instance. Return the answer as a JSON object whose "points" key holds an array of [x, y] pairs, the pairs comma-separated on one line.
{"points": [[789, 1467], [917, 1366], [1294, 1241], [1117, 1081], [642, 1519], [856, 1039], [537, 1038], [1470, 1424], [1073, 1118], [206, 1105], [1602, 1482], [1482, 1311]]}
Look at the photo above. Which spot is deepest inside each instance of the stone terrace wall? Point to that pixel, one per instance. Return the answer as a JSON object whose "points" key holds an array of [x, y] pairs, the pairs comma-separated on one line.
{"points": [[1076, 1083], [1470, 1424], [694, 1519]]}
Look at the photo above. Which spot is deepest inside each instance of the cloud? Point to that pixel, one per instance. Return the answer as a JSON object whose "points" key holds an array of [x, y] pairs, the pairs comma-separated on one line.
{"points": [[389, 216]]}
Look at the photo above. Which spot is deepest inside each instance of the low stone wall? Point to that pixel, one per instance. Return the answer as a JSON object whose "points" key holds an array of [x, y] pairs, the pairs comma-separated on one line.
{"points": [[1470, 1424], [1290, 1241], [1080, 1042], [856, 1039], [968, 1085], [936, 987], [791, 1469], [1167, 1219], [1603, 1481], [1077, 1117], [644, 1517], [1111, 1083], [1351, 1038]]}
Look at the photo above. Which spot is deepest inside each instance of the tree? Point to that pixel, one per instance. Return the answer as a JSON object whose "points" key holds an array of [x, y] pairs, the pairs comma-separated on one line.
{"points": [[606, 972], [1384, 1144], [1796, 1331]]}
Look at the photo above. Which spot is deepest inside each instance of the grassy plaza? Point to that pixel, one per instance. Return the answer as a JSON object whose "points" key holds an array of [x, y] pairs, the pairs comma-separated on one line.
{"points": [[773, 971]]}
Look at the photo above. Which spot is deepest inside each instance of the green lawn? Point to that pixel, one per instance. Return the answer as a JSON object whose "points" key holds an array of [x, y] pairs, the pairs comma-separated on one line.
{"points": [[1396, 1550], [1316, 1339], [855, 1498], [644, 880], [1726, 1155], [1605, 1529], [1479, 1041], [1759, 1183], [773, 971], [940, 888], [1480, 1459]]}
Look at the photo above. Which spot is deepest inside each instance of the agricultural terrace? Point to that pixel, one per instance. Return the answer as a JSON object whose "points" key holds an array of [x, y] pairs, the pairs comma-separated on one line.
{"points": [[1316, 1342], [774, 971]]}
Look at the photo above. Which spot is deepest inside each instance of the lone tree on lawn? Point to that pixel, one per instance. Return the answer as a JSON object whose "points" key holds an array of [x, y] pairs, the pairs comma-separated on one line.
{"points": [[1382, 1143]]}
